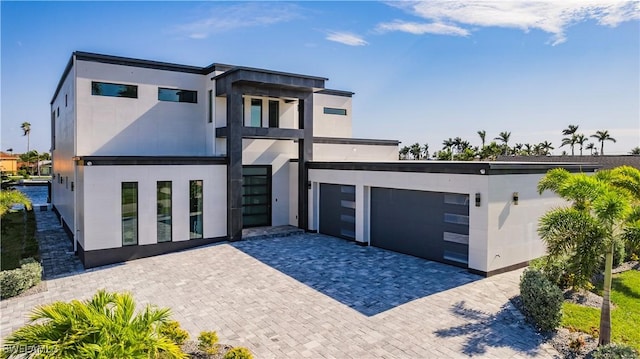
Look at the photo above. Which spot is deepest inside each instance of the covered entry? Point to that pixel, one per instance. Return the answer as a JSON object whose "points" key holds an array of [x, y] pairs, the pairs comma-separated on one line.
{"points": [[431, 225], [256, 196], [338, 210]]}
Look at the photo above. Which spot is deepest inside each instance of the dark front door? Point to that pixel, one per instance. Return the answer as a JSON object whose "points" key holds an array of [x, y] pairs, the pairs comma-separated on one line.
{"points": [[256, 196]]}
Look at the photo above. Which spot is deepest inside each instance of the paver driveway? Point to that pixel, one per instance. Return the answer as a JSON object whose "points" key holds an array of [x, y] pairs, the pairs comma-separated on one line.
{"points": [[316, 296]]}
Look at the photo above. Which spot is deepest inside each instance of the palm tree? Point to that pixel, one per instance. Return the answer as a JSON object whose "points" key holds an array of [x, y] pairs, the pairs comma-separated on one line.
{"points": [[604, 210], [415, 150], [571, 141], [635, 151], [504, 138], [570, 130], [426, 151], [602, 136], [404, 151], [10, 197], [106, 326], [590, 147], [580, 140], [483, 136], [26, 129], [546, 147]]}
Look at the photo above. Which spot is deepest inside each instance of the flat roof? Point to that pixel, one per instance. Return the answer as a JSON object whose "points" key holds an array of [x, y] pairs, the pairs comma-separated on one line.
{"points": [[455, 167]]}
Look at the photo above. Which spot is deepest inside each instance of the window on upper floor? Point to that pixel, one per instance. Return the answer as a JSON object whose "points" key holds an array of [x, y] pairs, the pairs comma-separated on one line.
{"points": [[256, 113], [210, 105], [113, 90], [274, 114], [177, 95], [335, 111]]}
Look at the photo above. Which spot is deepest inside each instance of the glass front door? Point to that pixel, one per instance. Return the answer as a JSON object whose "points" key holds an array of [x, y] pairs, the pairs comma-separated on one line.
{"points": [[256, 196]]}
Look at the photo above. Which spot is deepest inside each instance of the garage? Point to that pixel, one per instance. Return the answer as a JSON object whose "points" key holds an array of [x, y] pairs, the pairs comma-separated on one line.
{"points": [[430, 225], [338, 210]]}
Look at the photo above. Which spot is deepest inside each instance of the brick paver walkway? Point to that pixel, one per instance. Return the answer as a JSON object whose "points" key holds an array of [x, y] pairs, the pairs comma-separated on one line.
{"points": [[313, 296]]}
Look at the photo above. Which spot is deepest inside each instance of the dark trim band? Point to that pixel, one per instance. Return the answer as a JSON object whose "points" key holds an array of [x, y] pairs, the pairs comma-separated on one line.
{"points": [[355, 141], [100, 257], [270, 133], [148, 160], [336, 93], [473, 168], [499, 271]]}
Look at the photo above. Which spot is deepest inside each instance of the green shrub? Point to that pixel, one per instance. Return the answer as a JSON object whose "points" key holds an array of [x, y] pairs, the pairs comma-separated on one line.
{"points": [[555, 269], [614, 351], [208, 342], [105, 326], [16, 281], [173, 331], [542, 300], [238, 353], [619, 253]]}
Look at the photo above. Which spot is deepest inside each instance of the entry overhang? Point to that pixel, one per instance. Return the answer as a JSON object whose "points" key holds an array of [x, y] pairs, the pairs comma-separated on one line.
{"points": [[265, 133], [267, 83]]}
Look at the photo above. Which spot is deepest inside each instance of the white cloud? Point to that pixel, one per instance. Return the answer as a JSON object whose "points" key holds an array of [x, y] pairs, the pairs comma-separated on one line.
{"points": [[226, 18], [553, 17], [422, 28], [346, 38]]}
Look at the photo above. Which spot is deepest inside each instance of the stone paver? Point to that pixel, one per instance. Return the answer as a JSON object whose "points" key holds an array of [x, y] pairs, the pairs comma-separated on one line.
{"points": [[313, 296]]}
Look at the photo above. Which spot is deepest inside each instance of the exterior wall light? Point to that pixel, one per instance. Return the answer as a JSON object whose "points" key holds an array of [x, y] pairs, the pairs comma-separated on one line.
{"points": [[515, 198], [482, 171], [478, 199]]}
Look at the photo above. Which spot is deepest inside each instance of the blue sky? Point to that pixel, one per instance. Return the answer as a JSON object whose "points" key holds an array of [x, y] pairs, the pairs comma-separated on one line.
{"points": [[421, 71]]}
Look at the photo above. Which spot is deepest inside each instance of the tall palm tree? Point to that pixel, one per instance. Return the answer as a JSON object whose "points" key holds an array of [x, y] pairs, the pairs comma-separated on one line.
{"points": [[483, 136], [546, 147], [426, 151], [404, 151], [590, 147], [415, 150], [580, 140], [570, 130], [602, 136], [635, 151], [504, 138], [604, 209], [26, 131]]}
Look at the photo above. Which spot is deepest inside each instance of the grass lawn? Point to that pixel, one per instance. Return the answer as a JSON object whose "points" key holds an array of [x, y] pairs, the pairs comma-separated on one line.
{"points": [[18, 238], [625, 317]]}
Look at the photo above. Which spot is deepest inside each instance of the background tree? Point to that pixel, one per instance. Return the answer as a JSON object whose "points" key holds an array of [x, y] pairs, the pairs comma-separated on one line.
{"points": [[635, 151], [26, 131], [602, 136], [570, 140], [604, 210], [426, 151], [545, 148], [504, 138], [10, 197], [483, 136], [416, 151], [580, 140], [403, 153], [590, 146]]}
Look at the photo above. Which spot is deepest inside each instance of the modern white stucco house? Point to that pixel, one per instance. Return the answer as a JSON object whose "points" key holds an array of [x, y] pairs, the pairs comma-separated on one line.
{"points": [[152, 157]]}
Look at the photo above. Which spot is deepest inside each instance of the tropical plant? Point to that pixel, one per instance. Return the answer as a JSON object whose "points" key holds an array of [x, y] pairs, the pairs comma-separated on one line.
{"points": [[580, 140], [570, 131], [238, 353], [635, 151], [504, 138], [416, 151], [208, 342], [483, 136], [10, 197], [26, 131], [604, 209], [590, 146], [541, 299], [426, 151], [545, 148], [106, 326], [403, 153], [601, 136]]}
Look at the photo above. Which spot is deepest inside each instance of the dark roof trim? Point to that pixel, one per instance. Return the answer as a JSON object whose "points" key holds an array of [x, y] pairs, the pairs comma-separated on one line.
{"points": [[264, 133], [148, 160], [355, 141], [268, 72], [336, 93], [127, 61], [472, 168], [64, 76]]}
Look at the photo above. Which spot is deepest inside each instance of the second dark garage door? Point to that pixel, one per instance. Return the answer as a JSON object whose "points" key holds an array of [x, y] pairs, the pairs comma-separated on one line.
{"points": [[431, 225]]}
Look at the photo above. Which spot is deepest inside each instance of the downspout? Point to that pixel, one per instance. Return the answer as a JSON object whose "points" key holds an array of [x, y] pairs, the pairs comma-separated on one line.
{"points": [[75, 151]]}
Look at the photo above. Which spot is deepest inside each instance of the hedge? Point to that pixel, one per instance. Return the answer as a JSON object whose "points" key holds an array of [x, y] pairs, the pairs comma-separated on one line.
{"points": [[16, 281]]}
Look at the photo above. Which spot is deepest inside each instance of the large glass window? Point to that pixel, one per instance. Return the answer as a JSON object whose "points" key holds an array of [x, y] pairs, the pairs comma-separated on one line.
{"points": [[195, 209], [164, 218], [335, 111], [129, 213], [274, 114], [114, 90], [177, 95], [256, 113]]}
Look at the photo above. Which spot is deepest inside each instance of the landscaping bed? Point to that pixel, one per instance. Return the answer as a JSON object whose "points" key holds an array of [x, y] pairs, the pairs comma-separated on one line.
{"points": [[18, 239]]}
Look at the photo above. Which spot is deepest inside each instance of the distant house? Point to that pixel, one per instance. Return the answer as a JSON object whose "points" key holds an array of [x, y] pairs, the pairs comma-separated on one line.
{"points": [[152, 157], [8, 163]]}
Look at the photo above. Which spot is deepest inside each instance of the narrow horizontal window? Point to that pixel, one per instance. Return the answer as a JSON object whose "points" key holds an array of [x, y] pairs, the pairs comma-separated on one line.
{"points": [[347, 218], [113, 90], [456, 219], [455, 257], [453, 198], [335, 111], [176, 95], [348, 189], [348, 204], [455, 238]]}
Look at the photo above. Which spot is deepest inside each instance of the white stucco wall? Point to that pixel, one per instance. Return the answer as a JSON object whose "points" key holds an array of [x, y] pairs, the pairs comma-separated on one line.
{"points": [[512, 228], [325, 125], [102, 202], [143, 126], [346, 152], [63, 149]]}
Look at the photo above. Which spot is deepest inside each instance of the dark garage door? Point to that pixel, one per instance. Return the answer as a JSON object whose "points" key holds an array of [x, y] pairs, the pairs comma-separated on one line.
{"points": [[431, 225], [338, 210]]}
